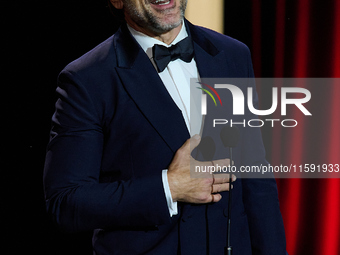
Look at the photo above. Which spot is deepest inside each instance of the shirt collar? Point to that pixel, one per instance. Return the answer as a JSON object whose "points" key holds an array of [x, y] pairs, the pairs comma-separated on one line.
{"points": [[147, 42]]}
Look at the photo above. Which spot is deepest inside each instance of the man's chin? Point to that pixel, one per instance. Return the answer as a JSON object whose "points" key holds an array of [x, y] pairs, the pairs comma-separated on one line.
{"points": [[165, 26], [169, 21]]}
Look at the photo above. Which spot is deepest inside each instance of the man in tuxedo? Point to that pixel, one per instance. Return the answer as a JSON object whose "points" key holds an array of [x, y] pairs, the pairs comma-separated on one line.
{"points": [[119, 157]]}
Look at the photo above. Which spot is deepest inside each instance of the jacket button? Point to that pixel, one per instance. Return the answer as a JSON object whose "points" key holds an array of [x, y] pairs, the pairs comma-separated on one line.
{"points": [[225, 212], [185, 219]]}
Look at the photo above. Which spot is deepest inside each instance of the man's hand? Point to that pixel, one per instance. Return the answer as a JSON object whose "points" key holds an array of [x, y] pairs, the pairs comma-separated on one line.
{"points": [[203, 189]]}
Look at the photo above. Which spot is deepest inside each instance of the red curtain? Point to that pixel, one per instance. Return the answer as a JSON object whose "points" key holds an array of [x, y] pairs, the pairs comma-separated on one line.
{"points": [[305, 38]]}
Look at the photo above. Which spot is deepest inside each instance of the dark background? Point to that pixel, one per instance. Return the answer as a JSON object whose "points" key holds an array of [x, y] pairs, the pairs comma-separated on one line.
{"points": [[40, 37]]}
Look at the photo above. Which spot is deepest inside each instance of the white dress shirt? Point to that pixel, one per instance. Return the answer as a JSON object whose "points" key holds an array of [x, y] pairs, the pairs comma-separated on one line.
{"points": [[176, 78]]}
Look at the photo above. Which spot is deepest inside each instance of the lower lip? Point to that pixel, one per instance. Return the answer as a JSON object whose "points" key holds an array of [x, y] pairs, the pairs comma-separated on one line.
{"points": [[164, 6]]}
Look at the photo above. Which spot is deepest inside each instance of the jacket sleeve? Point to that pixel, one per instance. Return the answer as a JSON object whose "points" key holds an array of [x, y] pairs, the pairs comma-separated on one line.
{"points": [[260, 195], [75, 198]]}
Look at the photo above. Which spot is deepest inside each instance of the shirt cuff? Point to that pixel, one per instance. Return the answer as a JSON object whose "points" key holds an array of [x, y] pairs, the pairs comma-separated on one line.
{"points": [[172, 206]]}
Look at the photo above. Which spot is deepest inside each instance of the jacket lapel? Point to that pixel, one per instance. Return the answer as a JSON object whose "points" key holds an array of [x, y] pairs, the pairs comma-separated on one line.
{"points": [[211, 62], [145, 87]]}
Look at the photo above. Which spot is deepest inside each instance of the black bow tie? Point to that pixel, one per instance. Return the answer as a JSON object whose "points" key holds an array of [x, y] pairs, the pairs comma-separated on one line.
{"points": [[162, 55]]}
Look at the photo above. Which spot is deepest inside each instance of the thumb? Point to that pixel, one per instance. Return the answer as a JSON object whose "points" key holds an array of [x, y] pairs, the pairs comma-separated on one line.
{"points": [[194, 142]]}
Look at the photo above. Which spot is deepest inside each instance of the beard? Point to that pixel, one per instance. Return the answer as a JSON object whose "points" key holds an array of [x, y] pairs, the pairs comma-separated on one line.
{"points": [[147, 19]]}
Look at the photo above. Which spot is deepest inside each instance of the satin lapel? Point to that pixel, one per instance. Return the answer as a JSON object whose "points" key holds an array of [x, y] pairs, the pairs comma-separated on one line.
{"points": [[211, 62], [147, 90]]}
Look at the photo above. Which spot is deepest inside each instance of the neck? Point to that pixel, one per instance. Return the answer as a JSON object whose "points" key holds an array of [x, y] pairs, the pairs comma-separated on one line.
{"points": [[167, 37]]}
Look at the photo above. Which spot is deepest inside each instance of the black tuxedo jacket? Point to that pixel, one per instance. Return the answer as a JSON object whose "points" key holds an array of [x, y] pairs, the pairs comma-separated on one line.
{"points": [[116, 128]]}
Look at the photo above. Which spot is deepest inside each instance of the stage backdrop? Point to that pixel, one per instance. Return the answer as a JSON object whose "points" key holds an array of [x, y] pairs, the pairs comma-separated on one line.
{"points": [[299, 38]]}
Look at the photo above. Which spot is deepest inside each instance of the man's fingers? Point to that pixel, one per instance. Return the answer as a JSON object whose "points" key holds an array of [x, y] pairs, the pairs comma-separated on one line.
{"points": [[194, 142], [215, 198], [217, 188], [223, 178]]}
